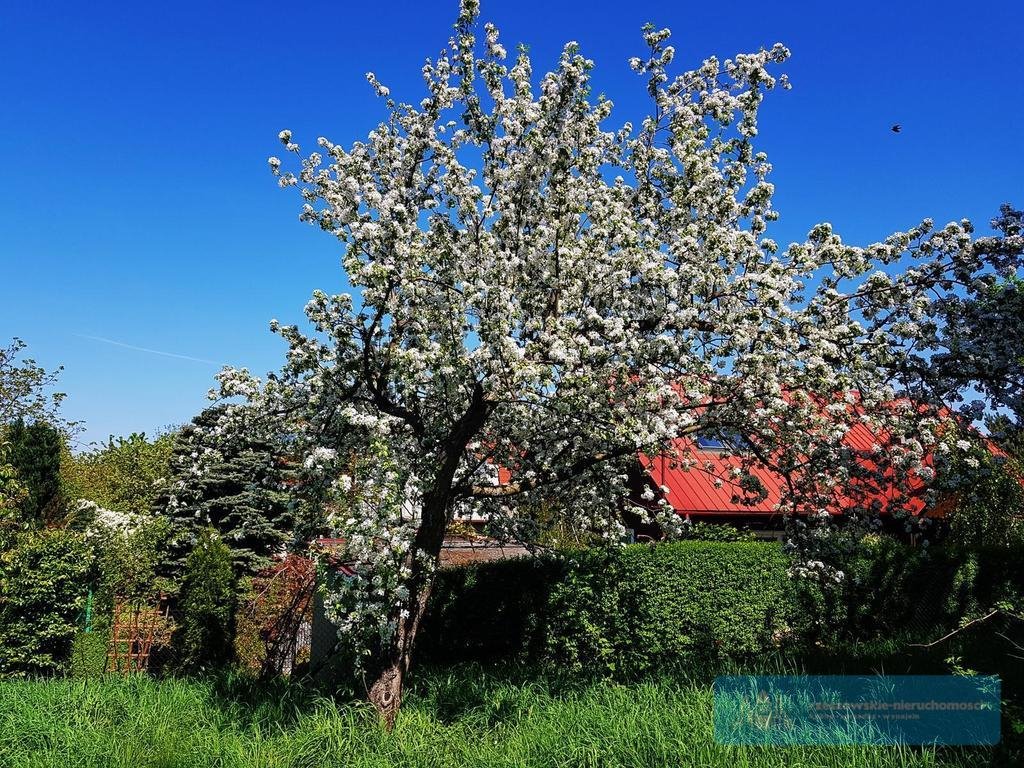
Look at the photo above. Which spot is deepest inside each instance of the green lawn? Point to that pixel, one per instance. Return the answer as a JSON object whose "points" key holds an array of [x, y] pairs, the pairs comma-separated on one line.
{"points": [[463, 717]]}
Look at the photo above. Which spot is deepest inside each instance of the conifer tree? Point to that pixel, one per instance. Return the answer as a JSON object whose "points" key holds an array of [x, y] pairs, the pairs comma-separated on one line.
{"points": [[242, 493]]}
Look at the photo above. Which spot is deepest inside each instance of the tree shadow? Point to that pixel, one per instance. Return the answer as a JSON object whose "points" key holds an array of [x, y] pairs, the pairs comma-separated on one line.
{"points": [[252, 701]]}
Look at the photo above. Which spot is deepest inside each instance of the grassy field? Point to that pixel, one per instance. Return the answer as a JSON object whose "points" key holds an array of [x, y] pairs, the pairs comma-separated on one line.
{"points": [[465, 717]]}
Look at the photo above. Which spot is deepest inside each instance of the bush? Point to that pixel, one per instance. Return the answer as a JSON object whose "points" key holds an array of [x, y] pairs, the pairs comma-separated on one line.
{"points": [[919, 592], [44, 578], [34, 453], [647, 606], [89, 654], [622, 610], [641, 607], [207, 606], [130, 561], [489, 610]]}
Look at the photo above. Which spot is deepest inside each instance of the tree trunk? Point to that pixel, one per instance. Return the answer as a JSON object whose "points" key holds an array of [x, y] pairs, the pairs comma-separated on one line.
{"points": [[387, 676]]}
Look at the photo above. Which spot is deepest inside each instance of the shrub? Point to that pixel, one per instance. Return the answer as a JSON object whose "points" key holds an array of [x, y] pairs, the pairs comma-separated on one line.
{"points": [[615, 610], [207, 606], [489, 610], [890, 588], [130, 561], [34, 453], [43, 583], [647, 606], [633, 609]]}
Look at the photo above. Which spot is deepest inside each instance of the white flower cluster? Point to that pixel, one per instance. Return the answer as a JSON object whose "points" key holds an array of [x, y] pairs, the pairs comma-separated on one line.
{"points": [[370, 570], [102, 522]]}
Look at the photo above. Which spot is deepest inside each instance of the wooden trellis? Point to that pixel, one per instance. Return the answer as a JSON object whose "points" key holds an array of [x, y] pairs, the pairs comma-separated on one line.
{"points": [[136, 625]]}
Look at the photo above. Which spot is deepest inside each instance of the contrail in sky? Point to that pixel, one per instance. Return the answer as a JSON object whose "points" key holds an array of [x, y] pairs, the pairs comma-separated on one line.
{"points": [[146, 349]]}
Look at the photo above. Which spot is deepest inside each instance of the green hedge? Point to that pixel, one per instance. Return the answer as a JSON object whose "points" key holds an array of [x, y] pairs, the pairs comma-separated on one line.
{"points": [[890, 588], [641, 607], [615, 610], [89, 655]]}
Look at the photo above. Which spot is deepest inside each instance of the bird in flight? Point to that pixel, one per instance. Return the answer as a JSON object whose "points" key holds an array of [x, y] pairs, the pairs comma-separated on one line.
{"points": [[896, 128]]}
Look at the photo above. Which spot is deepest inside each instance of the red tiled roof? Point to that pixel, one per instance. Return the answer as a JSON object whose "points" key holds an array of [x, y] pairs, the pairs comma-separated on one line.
{"points": [[696, 491], [709, 486]]}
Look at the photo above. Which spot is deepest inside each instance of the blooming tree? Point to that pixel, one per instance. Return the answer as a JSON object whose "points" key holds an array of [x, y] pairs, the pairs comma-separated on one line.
{"points": [[539, 291], [981, 345]]}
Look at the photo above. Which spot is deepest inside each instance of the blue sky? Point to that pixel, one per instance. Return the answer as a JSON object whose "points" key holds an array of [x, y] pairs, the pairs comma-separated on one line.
{"points": [[136, 205]]}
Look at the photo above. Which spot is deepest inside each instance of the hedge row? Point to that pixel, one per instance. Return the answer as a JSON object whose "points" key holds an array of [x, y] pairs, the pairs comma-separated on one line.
{"points": [[890, 588], [640, 607], [622, 610]]}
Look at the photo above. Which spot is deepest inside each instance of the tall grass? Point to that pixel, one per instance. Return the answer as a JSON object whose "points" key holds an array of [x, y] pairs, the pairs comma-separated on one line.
{"points": [[462, 717]]}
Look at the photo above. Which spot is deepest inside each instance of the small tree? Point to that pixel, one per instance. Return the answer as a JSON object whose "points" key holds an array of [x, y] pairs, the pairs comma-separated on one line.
{"points": [[207, 606], [25, 388], [35, 455], [536, 291], [30, 423]]}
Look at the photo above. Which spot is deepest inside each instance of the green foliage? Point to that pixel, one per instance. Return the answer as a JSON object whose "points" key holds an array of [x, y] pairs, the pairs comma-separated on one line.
{"points": [[645, 607], [89, 654], [127, 474], [489, 610], [44, 578], [207, 606], [630, 610], [624, 610], [240, 494], [714, 532], [989, 510], [890, 589], [34, 453], [12, 492]]}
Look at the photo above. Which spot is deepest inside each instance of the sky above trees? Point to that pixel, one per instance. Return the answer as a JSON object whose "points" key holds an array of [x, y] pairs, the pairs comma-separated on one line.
{"points": [[139, 216]]}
